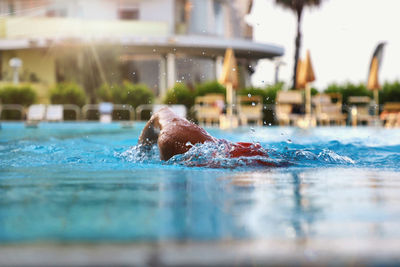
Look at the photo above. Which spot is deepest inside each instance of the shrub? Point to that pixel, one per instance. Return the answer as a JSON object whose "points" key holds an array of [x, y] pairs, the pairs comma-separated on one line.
{"points": [[11, 94], [180, 94], [126, 93], [24, 95], [390, 92], [68, 93], [212, 87], [137, 94], [271, 91], [268, 95], [348, 90]]}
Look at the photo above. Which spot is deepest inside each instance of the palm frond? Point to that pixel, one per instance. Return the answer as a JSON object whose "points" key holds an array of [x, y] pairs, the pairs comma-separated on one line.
{"points": [[297, 4]]}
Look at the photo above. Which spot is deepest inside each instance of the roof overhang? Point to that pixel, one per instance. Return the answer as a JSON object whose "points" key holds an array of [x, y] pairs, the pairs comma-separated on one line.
{"points": [[203, 46]]}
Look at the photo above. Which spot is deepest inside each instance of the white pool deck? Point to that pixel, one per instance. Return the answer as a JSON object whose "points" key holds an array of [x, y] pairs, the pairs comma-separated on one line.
{"points": [[227, 253]]}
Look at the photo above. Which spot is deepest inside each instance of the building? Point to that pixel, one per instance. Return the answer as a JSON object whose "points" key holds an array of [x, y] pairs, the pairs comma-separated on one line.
{"points": [[157, 42]]}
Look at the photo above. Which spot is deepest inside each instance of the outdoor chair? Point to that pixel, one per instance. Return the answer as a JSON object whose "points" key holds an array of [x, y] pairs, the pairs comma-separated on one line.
{"points": [[326, 111], [360, 106], [105, 111], [390, 115], [54, 113], [35, 114], [208, 108], [286, 103], [250, 109]]}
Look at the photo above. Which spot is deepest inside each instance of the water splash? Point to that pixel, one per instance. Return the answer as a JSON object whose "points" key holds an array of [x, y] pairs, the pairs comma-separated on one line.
{"points": [[141, 154], [217, 155]]}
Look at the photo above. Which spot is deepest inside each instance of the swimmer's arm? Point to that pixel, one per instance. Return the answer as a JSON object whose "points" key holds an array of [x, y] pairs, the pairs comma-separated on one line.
{"points": [[151, 130]]}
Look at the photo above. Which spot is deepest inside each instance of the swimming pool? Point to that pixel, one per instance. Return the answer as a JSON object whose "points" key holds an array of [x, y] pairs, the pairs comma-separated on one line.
{"points": [[83, 182]]}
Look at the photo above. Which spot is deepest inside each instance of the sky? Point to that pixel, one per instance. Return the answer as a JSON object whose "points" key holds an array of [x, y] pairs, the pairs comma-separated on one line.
{"points": [[341, 36]]}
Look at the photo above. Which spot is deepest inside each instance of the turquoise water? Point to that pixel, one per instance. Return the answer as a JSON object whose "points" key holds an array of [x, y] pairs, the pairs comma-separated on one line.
{"points": [[87, 182]]}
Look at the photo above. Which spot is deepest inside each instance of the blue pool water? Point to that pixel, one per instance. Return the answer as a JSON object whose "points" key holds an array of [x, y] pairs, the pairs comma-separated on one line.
{"points": [[87, 182]]}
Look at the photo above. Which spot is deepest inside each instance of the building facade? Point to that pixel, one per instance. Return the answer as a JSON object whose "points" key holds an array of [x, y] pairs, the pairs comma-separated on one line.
{"points": [[157, 42]]}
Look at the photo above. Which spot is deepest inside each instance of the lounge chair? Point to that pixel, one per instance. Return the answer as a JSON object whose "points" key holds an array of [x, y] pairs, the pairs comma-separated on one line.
{"points": [[390, 115], [326, 111], [250, 109], [36, 113], [360, 106], [105, 111], [55, 113], [286, 102], [208, 108]]}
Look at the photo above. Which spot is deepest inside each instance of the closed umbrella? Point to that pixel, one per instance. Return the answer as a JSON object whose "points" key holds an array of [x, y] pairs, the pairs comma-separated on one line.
{"points": [[306, 75], [229, 78], [373, 81]]}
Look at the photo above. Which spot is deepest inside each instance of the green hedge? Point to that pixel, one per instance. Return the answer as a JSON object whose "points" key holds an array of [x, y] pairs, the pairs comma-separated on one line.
{"points": [[212, 87], [180, 94], [390, 92], [126, 93], [24, 95], [11, 94], [347, 90], [268, 95], [68, 93]]}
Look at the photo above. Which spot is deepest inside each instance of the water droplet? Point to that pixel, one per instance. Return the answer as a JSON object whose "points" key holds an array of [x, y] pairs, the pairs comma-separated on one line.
{"points": [[289, 141], [249, 95], [188, 144]]}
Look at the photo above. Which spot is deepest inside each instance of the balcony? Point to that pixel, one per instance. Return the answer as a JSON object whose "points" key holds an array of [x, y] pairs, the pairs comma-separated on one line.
{"points": [[70, 28]]}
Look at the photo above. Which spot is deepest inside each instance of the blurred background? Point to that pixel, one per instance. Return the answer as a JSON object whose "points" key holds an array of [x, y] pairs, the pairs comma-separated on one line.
{"points": [[141, 52]]}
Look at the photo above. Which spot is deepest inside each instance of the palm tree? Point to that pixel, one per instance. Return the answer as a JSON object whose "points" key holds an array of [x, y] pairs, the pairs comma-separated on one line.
{"points": [[297, 7]]}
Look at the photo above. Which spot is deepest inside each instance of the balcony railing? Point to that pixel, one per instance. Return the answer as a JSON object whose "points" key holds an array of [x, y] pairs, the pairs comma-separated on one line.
{"points": [[28, 27]]}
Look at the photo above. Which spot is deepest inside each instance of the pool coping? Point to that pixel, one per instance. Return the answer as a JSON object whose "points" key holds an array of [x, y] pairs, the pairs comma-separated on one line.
{"points": [[221, 253]]}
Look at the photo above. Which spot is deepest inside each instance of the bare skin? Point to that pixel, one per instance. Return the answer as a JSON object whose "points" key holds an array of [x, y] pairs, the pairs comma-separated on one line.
{"points": [[175, 135], [172, 134]]}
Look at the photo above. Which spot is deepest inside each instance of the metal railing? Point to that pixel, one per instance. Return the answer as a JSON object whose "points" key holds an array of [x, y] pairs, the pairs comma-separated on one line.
{"points": [[15, 107], [116, 107], [74, 108], [141, 108]]}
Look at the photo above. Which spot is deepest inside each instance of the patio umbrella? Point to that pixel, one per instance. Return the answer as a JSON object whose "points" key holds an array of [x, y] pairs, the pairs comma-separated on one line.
{"points": [[229, 78], [306, 75], [299, 84], [373, 82]]}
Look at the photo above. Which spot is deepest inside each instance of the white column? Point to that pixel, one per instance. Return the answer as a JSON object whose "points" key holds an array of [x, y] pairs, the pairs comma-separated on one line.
{"points": [[219, 62], [162, 84], [171, 71]]}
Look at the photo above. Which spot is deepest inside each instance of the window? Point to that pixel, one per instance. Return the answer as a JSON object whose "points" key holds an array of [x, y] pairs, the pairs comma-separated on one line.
{"points": [[182, 15], [219, 18], [56, 12], [128, 13]]}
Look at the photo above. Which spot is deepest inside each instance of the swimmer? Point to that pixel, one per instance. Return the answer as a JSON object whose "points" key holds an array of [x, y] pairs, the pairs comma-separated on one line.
{"points": [[175, 135]]}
